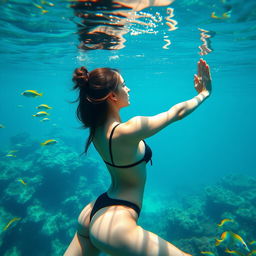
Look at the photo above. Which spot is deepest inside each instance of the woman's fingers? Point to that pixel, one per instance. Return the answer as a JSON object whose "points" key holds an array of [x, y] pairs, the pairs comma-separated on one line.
{"points": [[199, 68], [205, 70], [204, 65], [208, 72]]}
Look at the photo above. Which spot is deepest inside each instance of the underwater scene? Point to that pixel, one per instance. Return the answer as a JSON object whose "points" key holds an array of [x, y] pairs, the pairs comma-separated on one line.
{"points": [[200, 193]]}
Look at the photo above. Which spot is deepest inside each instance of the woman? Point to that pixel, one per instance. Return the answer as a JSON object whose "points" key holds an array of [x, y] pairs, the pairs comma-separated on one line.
{"points": [[109, 224]]}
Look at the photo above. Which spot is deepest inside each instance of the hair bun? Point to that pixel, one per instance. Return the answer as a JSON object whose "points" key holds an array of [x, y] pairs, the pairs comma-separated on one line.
{"points": [[80, 77]]}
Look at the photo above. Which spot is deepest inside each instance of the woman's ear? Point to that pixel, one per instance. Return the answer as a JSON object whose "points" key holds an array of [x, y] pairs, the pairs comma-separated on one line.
{"points": [[113, 97]]}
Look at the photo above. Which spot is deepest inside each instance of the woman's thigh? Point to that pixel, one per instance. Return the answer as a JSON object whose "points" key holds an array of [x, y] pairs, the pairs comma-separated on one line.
{"points": [[114, 230], [81, 246]]}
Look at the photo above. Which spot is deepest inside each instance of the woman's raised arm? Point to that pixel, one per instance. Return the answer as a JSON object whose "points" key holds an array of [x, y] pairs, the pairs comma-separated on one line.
{"points": [[141, 127]]}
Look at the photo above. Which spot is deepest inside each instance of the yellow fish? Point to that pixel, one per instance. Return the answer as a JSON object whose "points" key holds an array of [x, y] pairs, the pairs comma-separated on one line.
{"points": [[13, 151], [234, 252], [10, 155], [43, 106], [49, 142], [224, 221], [10, 222], [252, 242], [45, 119], [232, 238], [41, 113], [45, 2], [31, 93], [37, 6], [2, 126], [22, 181], [225, 15], [208, 253]]}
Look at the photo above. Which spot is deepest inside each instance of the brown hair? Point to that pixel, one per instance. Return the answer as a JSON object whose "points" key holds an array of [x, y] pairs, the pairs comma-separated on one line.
{"points": [[94, 88]]}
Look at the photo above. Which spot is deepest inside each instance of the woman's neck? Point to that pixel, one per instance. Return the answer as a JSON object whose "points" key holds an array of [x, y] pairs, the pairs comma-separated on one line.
{"points": [[113, 115]]}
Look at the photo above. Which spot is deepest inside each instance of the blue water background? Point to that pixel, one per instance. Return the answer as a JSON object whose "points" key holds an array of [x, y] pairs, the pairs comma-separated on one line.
{"points": [[216, 140]]}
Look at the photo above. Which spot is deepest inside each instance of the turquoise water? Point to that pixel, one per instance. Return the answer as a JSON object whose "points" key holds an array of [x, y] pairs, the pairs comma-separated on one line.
{"points": [[203, 166]]}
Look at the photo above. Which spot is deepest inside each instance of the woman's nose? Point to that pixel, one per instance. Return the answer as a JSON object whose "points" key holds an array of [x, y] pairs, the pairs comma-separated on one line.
{"points": [[128, 89]]}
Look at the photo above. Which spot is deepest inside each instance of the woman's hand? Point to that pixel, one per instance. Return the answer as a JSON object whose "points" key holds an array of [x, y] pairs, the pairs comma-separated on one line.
{"points": [[202, 80]]}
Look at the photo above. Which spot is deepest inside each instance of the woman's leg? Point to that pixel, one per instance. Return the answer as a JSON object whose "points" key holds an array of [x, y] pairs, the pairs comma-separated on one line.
{"points": [[114, 230], [81, 246], [147, 243]]}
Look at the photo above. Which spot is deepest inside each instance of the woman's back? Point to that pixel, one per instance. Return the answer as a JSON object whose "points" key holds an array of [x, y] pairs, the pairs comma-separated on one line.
{"points": [[128, 182]]}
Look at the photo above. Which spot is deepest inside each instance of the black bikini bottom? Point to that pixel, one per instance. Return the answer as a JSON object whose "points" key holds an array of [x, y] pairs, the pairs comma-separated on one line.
{"points": [[104, 200]]}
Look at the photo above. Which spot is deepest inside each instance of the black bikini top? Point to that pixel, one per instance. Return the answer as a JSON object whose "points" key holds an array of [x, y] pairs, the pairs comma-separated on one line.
{"points": [[147, 157]]}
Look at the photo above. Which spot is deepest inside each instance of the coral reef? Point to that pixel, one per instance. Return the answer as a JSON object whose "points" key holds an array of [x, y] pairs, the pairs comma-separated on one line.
{"points": [[47, 187], [192, 225]]}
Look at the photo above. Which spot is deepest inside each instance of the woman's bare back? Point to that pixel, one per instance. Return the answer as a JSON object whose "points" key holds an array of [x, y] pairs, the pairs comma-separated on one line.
{"points": [[127, 184]]}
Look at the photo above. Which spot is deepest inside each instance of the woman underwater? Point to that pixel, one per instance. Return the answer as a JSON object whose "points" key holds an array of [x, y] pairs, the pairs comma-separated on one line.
{"points": [[109, 224]]}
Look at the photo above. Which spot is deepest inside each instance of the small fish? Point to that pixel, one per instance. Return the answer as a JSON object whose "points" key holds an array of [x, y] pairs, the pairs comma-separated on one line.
{"points": [[40, 7], [49, 142], [22, 181], [230, 237], [225, 15], [37, 6], [48, 3], [31, 93], [10, 222], [10, 155], [2, 126], [208, 253], [224, 221], [43, 106], [41, 113], [252, 242], [45, 119], [13, 151], [234, 252]]}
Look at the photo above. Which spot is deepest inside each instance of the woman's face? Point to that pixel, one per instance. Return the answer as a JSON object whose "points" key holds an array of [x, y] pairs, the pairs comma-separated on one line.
{"points": [[123, 93]]}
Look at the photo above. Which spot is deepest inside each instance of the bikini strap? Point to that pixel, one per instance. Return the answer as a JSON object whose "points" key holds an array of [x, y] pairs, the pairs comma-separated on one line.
{"points": [[110, 143]]}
